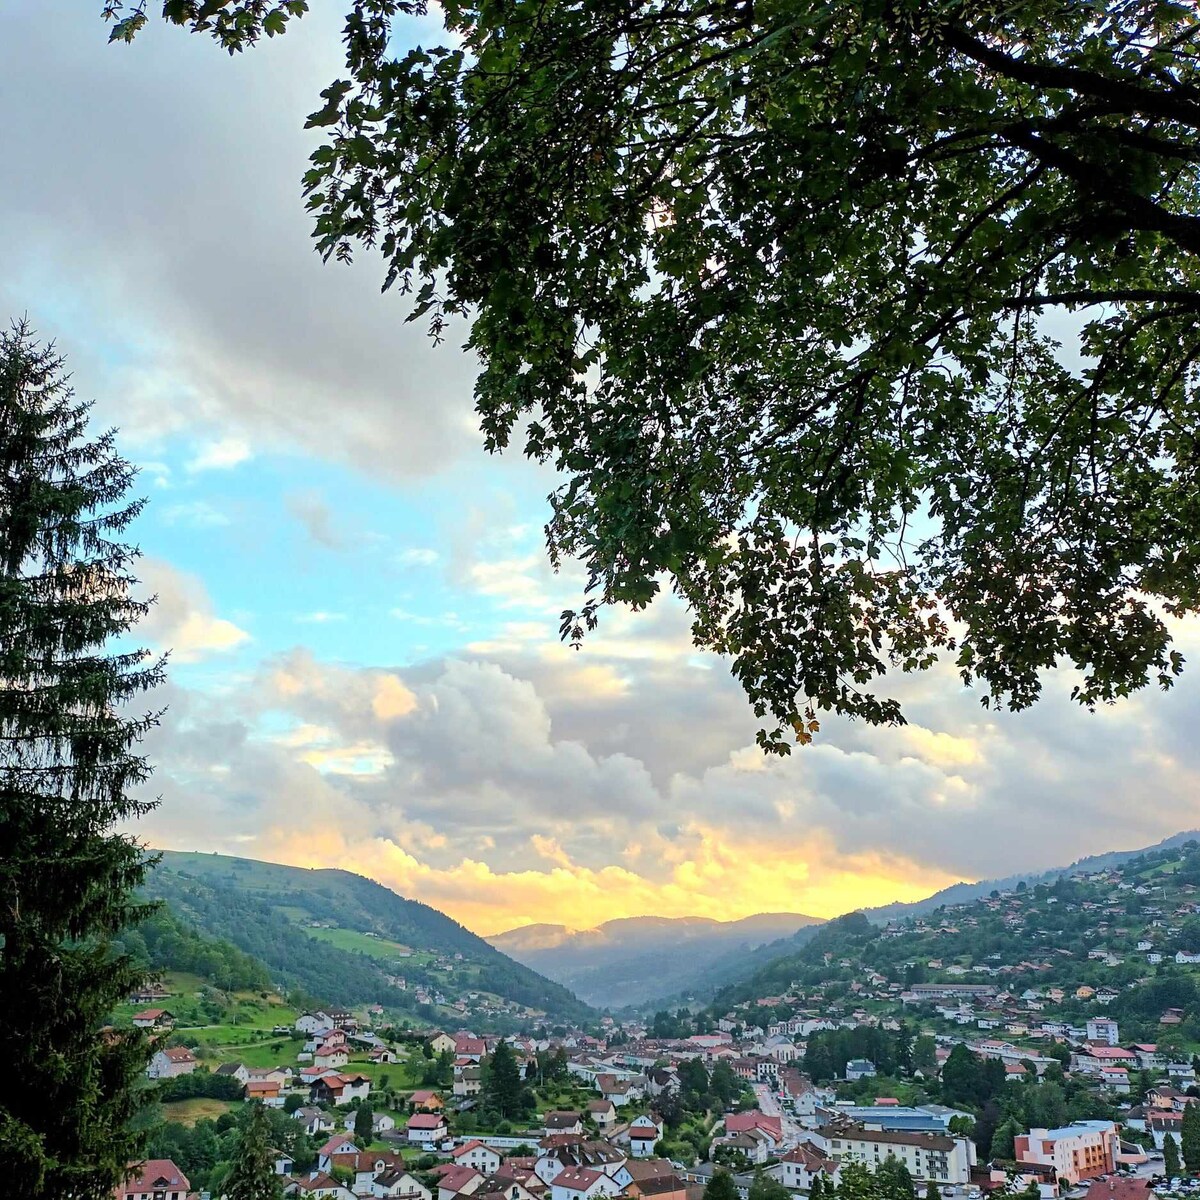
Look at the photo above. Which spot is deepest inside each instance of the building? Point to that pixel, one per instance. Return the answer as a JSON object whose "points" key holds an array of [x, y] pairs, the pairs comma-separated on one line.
{"points": [[860, 1068], [154, 1018], [1103, 1029], [427, 1129], [171, 1062], [799, 1167], [928, 1156], [477, 1155], [1081, 1150], [159, 1178]]}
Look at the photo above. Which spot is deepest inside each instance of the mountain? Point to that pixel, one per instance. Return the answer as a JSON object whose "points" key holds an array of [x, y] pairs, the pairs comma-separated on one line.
{"points": [[1098, 925], [757, 961], [964, 893], [634, 960], [345, 939]]}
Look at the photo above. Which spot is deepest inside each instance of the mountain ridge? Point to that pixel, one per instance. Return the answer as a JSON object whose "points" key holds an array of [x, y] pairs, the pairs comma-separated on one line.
{"points": [[368, 935], [623, 962]]}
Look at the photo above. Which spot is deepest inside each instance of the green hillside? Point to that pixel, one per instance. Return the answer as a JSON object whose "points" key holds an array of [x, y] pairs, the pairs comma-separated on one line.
{"points": [[339, 936]]}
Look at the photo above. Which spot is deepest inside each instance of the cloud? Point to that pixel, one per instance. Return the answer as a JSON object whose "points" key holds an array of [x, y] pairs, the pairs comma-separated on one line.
{"points": [[418, 556], [320, 618], [220, 455], [538, 789], [198, 514], [175, 261], [316, 518], [181, 619]]}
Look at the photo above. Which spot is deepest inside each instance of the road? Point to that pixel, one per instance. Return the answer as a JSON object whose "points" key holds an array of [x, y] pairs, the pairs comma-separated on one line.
{"points": [[768, 1105]]}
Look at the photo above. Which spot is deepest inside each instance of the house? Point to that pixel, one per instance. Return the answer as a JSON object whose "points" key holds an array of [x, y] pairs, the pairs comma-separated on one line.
{"points": [[318, 1185], [645, 1132], [1187, 956], [1117, 1188], [310, 1023], [799, 1167], [454, 1180], [477, 1155], [395, 1182], [467, 1045], [1081, 1150], [154, 1018], [743, 1122], [156, 1177], [313, 1120], [265, 1091], [859, 1068], [1181, 1074], [603, 1112], [339, 1089], [427, 1129], [557, 1121], [331, 1055], [340, 1146], [441, 1043], [468, 1081], [582, 1183], [234, 1070], [171, 1062], [654, 1179]]}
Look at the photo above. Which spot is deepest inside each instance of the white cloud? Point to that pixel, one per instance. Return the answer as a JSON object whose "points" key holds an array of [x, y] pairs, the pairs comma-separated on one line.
{"points": [[220, 455], [320, 617], [198, 514], [417, 556], [182, 620]]}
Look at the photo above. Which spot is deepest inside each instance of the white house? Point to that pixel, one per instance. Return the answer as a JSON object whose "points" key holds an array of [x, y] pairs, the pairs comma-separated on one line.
{"points": [[645, 1132], [928, 1156], [860, 1068], [477, 1155], [582, 1183], [313, 1022], [171, 1062], [799, 1167], [427, 1129]]}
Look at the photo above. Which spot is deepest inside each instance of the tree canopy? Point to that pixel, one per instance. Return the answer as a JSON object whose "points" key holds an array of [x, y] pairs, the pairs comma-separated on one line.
{"points": [[779, 286], [69, 767]]}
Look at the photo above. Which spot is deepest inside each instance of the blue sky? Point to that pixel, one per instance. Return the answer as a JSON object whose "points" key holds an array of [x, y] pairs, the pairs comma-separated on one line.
{"points": [[365, 663]]}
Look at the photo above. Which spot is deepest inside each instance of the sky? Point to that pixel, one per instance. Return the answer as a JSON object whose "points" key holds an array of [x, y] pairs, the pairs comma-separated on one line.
{"points": [[365, 670]]}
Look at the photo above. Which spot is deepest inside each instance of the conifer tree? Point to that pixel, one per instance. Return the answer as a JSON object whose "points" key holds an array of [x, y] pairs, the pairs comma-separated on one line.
{"points": [[252, 1176], [817, 1190], [1189, 1138], [933, 1192], [67, 764], [1171, 1162]]}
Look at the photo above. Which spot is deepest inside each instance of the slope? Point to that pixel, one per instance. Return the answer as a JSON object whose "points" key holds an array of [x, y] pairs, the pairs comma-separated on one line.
{"points": [[635, 960], [346, 939]]}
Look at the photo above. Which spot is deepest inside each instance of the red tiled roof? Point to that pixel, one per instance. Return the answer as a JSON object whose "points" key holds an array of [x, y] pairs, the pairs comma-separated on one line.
{"points": [[143, 1177], [426, 1121]]}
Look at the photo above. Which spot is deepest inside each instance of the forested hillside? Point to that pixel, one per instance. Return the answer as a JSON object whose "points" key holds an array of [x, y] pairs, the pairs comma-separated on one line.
{"points": [[346, 939]]}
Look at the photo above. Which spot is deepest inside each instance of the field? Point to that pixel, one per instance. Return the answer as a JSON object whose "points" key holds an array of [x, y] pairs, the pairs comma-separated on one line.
{"points": [[360, 943], [188, 1112]]}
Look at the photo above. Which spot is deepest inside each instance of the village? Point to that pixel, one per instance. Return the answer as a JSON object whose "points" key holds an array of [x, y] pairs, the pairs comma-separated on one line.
{"points": [[975, 1074]]}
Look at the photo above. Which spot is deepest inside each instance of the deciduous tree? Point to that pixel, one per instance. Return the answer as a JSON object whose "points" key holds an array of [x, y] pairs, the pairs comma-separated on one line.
{"points": [[776, 285]]}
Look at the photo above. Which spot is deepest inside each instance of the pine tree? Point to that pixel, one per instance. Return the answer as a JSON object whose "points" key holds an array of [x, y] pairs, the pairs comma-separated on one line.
{"points": [[1171, 1162], [933, 1192], [721, 1187], [1189, 1139], [817, 1190], [67, 763], [364, 1125], [502, 1082], [252, 1176]]}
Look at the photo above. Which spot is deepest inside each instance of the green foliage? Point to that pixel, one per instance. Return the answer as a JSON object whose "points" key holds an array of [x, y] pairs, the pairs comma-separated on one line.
{"points": [[1003, 1140], [243, 902], [893, 1181], [503, 1089], [932, 1191], [68, 736], [721, 1187], [364, 1125], [1189, 1138], [766, 1188], [199, 1083], [1171, 1161], [762, 283], [252, 1175]]}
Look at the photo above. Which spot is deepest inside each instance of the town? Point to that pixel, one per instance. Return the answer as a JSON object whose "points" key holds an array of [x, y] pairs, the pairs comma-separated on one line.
{"points": [[911, 1055]]}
